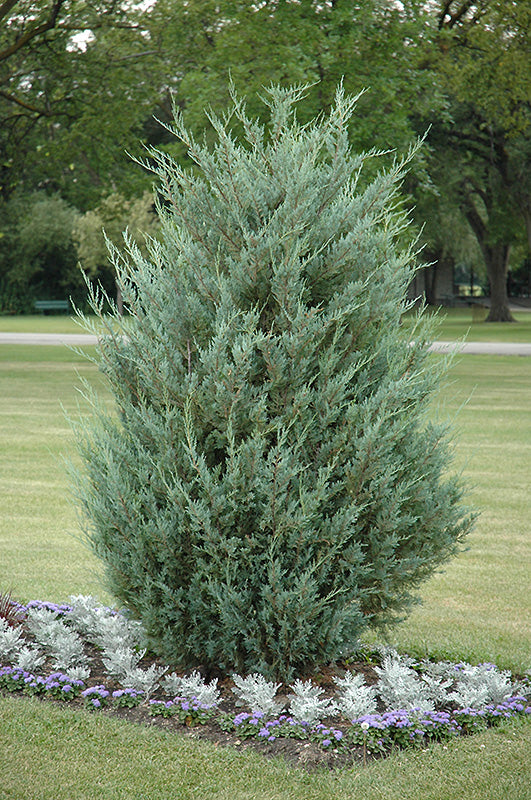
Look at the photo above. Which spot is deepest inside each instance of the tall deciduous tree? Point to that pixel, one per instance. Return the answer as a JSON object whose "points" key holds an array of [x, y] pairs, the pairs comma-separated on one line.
{"points": [[375, 46], [73, 94], [483, 55]]}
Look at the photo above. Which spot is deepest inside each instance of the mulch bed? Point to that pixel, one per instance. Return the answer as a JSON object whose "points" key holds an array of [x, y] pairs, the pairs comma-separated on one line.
{"points": [[298, 753]]}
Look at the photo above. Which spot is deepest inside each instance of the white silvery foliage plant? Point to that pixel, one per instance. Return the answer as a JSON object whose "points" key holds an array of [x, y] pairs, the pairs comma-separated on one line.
{"points": [[192, 687], [29, 659], [44, 625], [257, 693], [78, 673], [143, 680], [86, 615], [356, 698], [481, 685], [10, 639], [306, 704], [63, 644], [436, 687], [121, 661], [66, 650], [117, 631], [104, 626], [439, 669], [172, 683], [399, 686]]}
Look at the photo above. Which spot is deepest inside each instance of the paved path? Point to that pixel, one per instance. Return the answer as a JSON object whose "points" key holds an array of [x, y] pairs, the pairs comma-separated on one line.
{"points": [[473, 348], [485, 348], [47, 338]]}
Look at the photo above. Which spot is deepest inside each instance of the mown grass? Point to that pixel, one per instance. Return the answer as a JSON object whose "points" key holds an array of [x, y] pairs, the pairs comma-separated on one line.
{"points": [[40, 554], [469, 324], [52, 753], [477, 609], [455, 323], [39, 323]]}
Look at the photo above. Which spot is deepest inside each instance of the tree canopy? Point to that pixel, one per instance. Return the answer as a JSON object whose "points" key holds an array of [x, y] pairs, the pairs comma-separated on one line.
{"points": [[82, 85]]}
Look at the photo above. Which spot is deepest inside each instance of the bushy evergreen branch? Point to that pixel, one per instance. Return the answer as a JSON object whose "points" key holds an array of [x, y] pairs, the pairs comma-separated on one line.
{"points": [[270, 484]]}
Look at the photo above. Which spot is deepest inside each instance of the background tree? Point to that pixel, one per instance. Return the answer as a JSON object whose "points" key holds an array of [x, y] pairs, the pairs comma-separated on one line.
{"points": [[37, 252], [374, 46], [272, 484], [113, 217], [483, 56], [73, 95], [79, 83]]}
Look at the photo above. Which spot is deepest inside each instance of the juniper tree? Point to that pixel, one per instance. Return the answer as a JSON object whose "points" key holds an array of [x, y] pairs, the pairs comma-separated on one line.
{"points": [[271, 483]]}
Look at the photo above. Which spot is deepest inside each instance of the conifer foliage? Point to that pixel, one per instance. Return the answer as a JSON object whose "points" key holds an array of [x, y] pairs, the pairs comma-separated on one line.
{"points": [[270, 484]]}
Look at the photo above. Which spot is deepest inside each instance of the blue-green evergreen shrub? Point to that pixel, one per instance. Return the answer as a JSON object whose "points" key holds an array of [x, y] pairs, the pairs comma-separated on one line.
{"points": [[271, 483]]}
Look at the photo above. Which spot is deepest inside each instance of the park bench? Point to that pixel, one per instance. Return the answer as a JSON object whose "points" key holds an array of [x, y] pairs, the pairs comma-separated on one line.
{"points": [[51, 305]]}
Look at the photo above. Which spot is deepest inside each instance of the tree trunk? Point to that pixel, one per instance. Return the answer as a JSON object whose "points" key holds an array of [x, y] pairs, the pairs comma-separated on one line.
{"points": [[526, 210], [496, 259], [119, 299], [430, 283]]}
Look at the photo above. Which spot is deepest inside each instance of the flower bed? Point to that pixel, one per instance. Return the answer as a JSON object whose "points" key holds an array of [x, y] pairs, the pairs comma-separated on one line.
{"points": [[344, 714]]}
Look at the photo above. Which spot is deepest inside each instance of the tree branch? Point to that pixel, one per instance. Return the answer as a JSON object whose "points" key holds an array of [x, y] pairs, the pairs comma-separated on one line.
{"points": [[23, 40], [28, 106], [474, 219], [6, 7]]}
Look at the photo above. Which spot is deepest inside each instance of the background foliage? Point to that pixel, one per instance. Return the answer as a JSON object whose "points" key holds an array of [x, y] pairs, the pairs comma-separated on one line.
{"points": [[80, 83]]}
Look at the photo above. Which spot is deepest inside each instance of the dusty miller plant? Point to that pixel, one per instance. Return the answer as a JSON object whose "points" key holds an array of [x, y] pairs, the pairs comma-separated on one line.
{"points": [[62, 643], [271, 481], [11, 639], [400, 688], [481, 685], [258, 694], [307, 703], [120, 661], [355, 698], [29, 659], [143, 680], [103, 626], [192, 687]]}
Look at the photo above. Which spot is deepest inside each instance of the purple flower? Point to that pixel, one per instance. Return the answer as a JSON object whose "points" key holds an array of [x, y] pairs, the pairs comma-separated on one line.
{"points": [[326, 742]]}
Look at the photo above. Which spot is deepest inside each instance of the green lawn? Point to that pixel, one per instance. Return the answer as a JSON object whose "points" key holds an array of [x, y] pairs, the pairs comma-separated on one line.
{"points": [[41, 556], [455, 324], [477, 609], [39, 323], [53, 753]]}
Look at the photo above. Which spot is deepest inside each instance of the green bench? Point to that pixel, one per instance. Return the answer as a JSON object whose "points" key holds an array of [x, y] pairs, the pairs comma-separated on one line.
{"points": [[51, 305]]}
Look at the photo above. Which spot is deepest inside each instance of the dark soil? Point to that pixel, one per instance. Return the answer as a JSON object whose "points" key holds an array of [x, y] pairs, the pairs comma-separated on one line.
{"points": [[305, 754], [300, 753]]}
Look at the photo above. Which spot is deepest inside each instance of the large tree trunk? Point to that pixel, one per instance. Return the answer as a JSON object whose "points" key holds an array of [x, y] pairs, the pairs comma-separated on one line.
{"points": [[496, 259]]}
